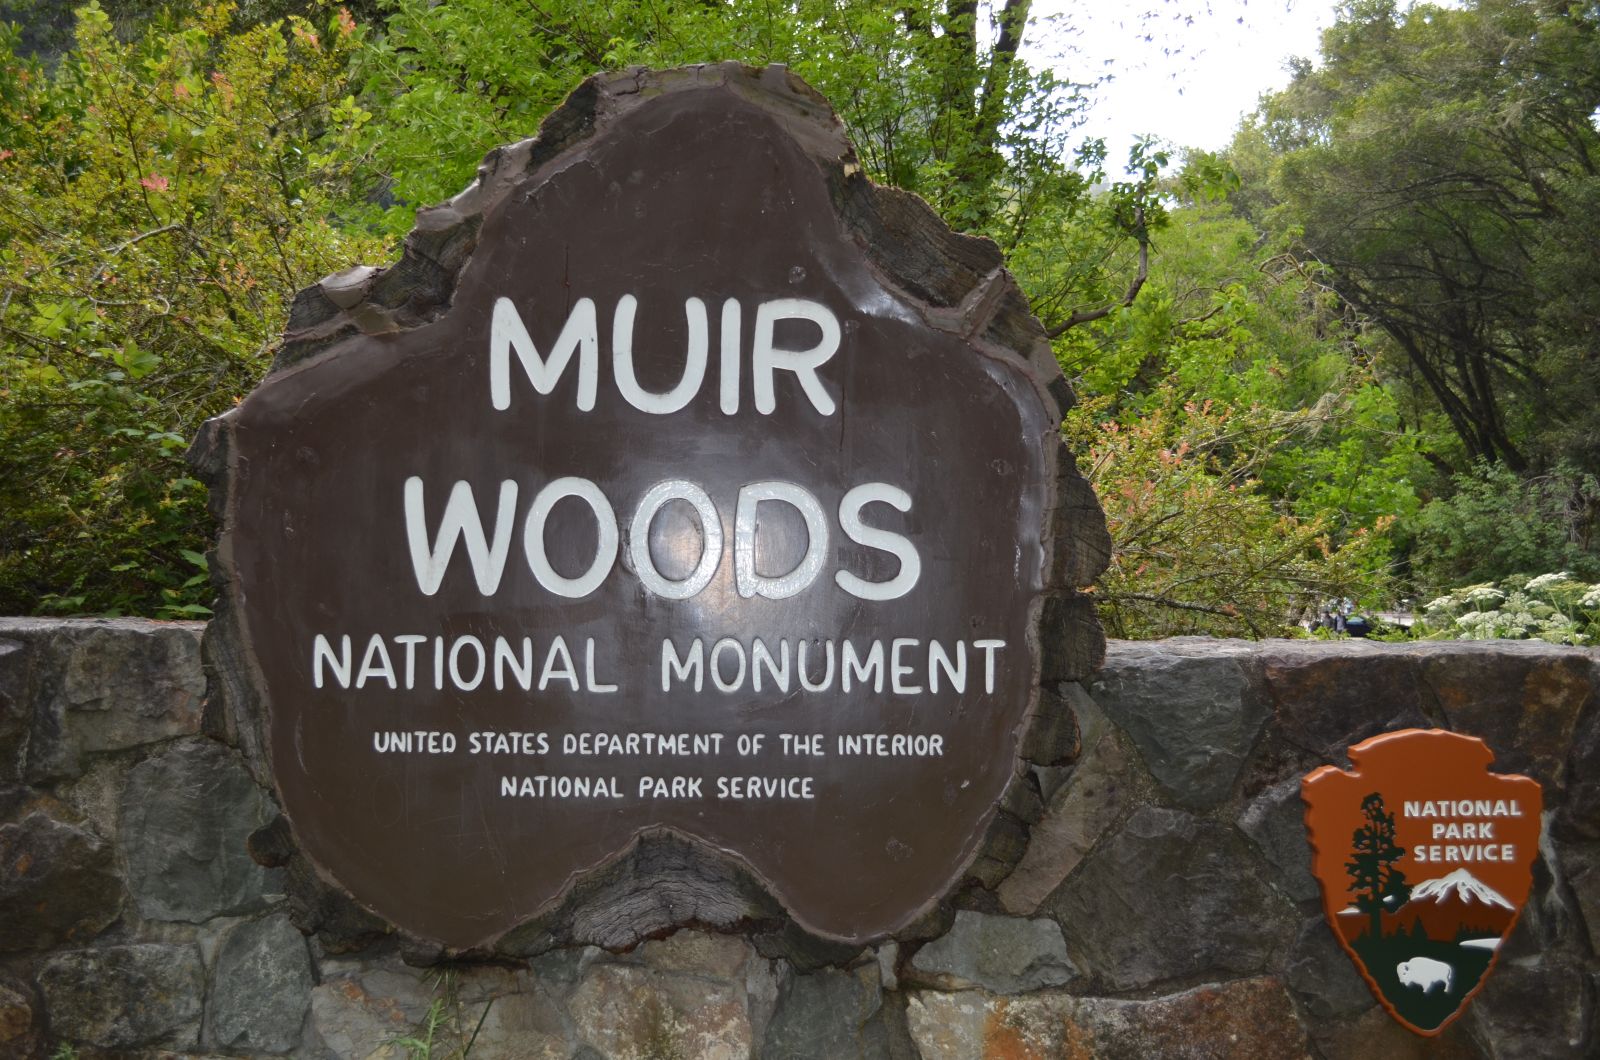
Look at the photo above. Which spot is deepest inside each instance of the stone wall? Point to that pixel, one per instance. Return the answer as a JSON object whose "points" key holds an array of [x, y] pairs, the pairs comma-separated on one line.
{"points": [[1157, 902]]}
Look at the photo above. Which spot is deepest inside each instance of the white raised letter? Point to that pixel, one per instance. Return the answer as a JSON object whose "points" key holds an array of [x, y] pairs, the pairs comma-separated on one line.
{"points": [[765, 358], [760, 653], [468, 641], [716, 670], [522, 671], [988, 647], [956, 672], [694, 368], [605, 553], [410, 642], [827, 673], [710, 545], [565, 671], [750, 583], [895, 544], [322, 651], [732, 318], [507, 332], [671, 664], [854, 667], [375, 663], [460, 520]]}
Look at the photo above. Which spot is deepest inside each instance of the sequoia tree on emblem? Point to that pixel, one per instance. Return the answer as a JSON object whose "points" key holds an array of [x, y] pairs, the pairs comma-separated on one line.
{"points": [[1425, 858]]}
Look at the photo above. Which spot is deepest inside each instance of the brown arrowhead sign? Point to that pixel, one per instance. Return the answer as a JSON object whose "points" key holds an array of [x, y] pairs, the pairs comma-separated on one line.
{"points": [[677, 480], [1425, 860]]}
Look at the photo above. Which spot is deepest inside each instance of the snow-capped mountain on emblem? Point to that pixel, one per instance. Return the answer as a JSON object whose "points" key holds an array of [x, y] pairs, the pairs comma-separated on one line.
{"points": [[1457, 904], [1460, 886], [1392, 858]]}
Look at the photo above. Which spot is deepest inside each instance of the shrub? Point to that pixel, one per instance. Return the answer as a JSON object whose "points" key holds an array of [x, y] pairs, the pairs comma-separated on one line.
{"points": [[160, 203], [1497, 523], [1550, 607], [1197, 546]]}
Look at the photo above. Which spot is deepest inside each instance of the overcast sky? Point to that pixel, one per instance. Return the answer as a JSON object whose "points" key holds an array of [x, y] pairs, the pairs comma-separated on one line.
{"points": [[1204, 66]]}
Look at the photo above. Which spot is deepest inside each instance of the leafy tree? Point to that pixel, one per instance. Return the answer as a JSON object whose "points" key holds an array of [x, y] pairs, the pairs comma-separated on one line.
{"points": [[1233, 315], [934, 95], [1442, 162], [1374, 880], [160, 202], [1249, 459], [1198, 547], [165, 194]]}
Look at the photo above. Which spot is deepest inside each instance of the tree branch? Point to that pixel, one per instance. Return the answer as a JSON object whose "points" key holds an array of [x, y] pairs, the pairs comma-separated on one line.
{"points": [[1180, 605], [1167, 601], [1084, 316]]}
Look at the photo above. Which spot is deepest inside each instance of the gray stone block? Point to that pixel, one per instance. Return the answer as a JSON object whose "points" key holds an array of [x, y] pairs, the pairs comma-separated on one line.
{"points": [[829, 1015], [525, 1026], [1375, 1035], [261, 982], [1534, 1009], [58, 884], [1003, 955], [1245, 1018], [359, 1014], [1327, 697], [99, 685], [18, 1035], [1078, 813], [1194, 715], [16, 708], [122, 997], [1169, 896], [624, 1010], [1323, 976], [187, 814], [1524, 698], [1275, 823]]}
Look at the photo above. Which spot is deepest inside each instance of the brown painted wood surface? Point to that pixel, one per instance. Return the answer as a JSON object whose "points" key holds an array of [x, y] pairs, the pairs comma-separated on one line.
{"points": [[384, 366]]}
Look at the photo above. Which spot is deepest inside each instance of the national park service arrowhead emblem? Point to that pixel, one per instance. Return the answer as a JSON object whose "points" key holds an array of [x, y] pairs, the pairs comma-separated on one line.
{"points": [[1425, 860]]}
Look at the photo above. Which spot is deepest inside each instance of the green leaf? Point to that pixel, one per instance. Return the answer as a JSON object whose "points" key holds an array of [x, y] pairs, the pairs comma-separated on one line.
{"points": [[137, 362]]}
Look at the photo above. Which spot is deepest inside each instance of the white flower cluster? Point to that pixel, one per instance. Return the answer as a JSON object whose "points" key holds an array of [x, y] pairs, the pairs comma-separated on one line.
{"points": [[1551, 607]]}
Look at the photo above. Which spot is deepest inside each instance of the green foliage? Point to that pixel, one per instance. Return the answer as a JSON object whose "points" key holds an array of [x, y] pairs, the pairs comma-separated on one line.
{"points": [[443, 1032], [159, 206], [1551, 607], [1251, 462], [1198, 547], [1439, 166], [1233, 317], [1442, 162], [169, 184], [1496, 522], [1287, 348], [1084, 258], [934, 96]]}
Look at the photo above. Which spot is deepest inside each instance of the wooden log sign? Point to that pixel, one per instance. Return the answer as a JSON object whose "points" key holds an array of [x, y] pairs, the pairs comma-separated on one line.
{"points": [[676, 479]]}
